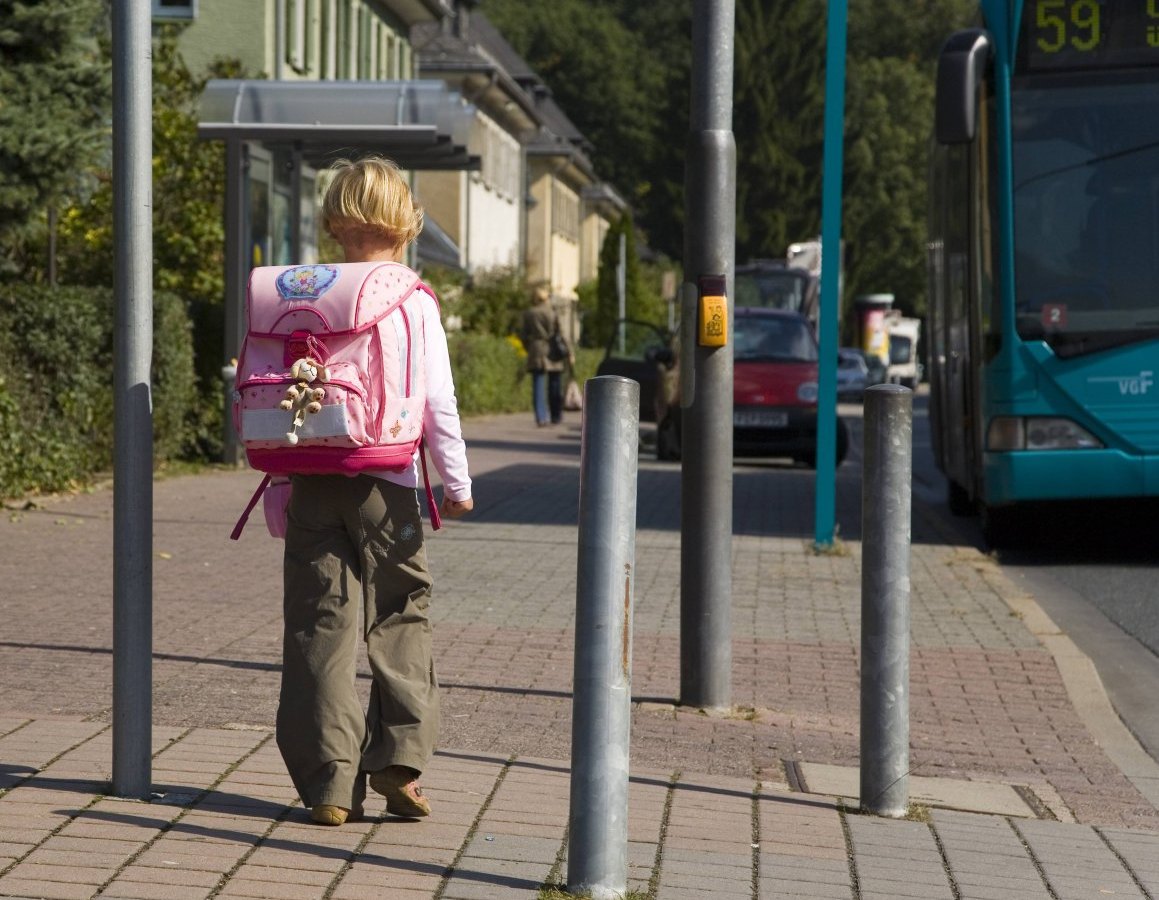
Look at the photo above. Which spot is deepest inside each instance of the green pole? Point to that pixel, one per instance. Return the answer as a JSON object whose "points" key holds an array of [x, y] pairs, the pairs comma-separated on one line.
{"points": [[825, 491]]}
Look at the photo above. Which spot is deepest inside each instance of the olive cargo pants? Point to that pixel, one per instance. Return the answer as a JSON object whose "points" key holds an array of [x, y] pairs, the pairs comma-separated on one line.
{"points": [[349, 539]]}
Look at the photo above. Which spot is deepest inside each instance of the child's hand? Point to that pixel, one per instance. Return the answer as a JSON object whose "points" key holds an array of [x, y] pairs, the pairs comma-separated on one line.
{"points": [[455, 509]]}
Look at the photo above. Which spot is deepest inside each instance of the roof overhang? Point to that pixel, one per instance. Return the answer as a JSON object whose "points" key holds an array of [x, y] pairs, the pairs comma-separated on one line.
{"points": [[412, 12], [564, 161], [419, 124], [603, 197], [489, 88]]}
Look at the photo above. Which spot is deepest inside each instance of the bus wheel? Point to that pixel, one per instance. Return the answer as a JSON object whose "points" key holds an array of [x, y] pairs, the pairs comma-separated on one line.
{"points": [[959, 500], [999, 526]]}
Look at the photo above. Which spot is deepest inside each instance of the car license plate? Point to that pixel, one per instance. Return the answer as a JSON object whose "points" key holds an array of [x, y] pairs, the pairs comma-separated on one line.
{"points": [[760, 418]]}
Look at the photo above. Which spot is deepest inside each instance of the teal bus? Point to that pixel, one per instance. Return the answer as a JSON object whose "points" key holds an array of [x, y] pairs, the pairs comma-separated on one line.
{"points": [[1043, 258]]}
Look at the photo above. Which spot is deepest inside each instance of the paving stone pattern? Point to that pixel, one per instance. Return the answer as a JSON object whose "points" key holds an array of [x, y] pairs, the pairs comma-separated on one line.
{"points": [[711, 811]]}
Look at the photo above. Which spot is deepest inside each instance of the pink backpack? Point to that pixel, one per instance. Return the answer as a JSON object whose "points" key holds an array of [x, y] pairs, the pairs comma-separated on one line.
{"points": [[332, 375]]}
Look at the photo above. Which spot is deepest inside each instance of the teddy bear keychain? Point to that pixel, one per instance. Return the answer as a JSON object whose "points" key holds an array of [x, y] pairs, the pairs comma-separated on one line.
{"points": [[302, 399]]}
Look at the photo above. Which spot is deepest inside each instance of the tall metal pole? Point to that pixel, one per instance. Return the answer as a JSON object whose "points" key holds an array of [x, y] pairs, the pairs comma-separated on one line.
{"points": [[132, 398], [825, 490], [602, 699], [237, 267], [885, 600], [706, 483]]}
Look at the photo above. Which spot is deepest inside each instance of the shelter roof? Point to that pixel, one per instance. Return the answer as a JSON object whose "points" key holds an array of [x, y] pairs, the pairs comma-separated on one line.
{"points": [[419, 124]]}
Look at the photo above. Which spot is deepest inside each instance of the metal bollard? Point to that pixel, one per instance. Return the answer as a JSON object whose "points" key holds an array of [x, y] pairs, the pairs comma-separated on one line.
{"points": [[231, 451], [602, 697], [885, 599]]}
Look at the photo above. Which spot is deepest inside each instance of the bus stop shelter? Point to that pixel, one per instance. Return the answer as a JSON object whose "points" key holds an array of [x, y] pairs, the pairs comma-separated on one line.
{"points": [[279, 134]]}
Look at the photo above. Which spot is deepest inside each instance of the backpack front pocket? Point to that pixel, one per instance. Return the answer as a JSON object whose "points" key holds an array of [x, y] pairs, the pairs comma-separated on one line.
{"points": [[341, 421]]}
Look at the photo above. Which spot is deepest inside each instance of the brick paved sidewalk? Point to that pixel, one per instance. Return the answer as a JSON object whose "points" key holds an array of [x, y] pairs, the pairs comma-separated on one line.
{"points": [[225, 824], [745, 800]]}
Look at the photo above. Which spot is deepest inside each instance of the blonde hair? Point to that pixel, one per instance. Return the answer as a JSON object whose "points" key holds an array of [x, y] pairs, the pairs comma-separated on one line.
{"points": [[371, 196]]}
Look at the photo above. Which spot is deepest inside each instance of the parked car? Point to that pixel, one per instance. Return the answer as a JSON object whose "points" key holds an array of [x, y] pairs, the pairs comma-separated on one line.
{"points": [[774, 401], [645, 353], [878, 371], [774, 385], [852, 374]]}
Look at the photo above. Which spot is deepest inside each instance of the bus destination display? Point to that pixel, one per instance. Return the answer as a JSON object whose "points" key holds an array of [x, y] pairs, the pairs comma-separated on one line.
{"points": [[1088, 34]]}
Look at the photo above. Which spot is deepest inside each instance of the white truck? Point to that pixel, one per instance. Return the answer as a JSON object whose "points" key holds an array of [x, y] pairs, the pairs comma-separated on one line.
{"points": [[904, 368]]}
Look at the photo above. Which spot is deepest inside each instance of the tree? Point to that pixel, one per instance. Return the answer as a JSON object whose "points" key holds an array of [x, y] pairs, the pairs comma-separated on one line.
{"points": [[778, 123], [893, 48], [188, 218], [890, 109], [54, 96], [913, 30], [614, 69], [642, 301], [188, 193], [778, 114]]}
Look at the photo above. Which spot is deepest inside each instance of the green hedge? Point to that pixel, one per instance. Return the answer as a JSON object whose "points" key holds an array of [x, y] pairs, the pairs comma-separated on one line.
{"points": [[56, 385], [490, 375]]}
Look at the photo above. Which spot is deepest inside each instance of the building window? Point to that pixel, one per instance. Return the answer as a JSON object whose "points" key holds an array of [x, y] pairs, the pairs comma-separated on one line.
{"points": [[564, 212], [175, 9]]}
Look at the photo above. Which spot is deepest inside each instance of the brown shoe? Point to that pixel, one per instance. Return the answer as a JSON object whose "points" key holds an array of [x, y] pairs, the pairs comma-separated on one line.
{"points": [[327, 814], [400, 787]]}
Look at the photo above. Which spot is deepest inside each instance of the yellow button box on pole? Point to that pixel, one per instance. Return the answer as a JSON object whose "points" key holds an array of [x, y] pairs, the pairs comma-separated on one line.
{"points": [[713, 330]]}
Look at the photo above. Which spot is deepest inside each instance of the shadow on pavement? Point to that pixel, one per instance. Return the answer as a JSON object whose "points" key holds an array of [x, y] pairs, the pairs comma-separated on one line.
{"points": [[768, 499], [298, 816]]}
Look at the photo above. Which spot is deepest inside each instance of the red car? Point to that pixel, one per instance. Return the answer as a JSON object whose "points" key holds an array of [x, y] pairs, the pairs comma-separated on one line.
{"points": [[774, 384], [774, 397]]}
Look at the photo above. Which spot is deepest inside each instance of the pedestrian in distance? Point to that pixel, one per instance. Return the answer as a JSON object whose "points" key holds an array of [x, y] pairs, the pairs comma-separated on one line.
{"points": [[356, 542], [548, 354]]}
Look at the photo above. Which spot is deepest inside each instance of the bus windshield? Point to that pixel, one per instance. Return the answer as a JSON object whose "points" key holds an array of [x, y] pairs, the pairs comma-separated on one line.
{"points": [[1086, 212]]}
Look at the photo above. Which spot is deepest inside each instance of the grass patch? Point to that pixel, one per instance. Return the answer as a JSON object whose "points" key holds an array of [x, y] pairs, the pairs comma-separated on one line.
{"points": [[558, 892], [837, 548]]}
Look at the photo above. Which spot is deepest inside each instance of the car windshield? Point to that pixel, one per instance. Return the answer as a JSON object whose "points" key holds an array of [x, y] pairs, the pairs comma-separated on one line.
{"points": [[774, 339]]}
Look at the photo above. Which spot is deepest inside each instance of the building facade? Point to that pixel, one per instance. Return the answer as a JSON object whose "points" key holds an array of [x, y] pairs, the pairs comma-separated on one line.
{"points": [[536, 202], [302, 39], [505, 178]]}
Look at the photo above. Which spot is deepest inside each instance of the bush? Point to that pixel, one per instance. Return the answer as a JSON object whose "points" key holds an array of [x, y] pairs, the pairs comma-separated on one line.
{"points": [[56, 400], [492, 302], [489, 374]]}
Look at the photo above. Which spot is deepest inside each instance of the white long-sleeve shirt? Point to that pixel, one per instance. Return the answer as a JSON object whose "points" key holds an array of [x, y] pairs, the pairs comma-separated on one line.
{"points": [[442, 430]]}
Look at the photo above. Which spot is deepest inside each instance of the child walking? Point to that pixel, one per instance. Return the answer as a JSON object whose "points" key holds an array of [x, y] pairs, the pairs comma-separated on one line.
{"points": [[352, 539]]}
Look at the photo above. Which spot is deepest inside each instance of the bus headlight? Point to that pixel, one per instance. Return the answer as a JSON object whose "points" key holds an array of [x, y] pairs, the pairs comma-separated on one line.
{"points": [[1038, 433]]}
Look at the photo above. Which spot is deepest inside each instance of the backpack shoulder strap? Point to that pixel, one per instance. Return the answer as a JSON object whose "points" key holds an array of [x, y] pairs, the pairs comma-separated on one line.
{"points": [[432, 507], [237, 529]]}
